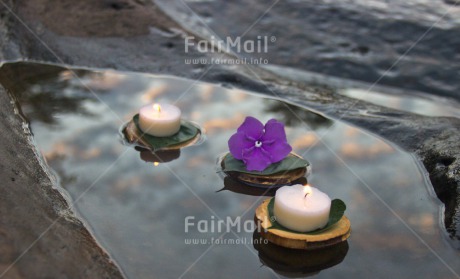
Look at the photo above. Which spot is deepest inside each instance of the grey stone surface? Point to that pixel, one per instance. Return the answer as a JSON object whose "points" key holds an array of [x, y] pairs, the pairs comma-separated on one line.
{"points": [[40, 237], [352, 39]]}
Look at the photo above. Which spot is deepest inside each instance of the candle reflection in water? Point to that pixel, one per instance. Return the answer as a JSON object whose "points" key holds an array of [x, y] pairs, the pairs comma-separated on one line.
{"points": [[294, 263], [161, 156]]}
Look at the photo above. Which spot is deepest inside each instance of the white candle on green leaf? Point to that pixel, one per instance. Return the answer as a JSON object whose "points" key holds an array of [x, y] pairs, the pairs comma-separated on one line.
{"points": [[160, 120]]}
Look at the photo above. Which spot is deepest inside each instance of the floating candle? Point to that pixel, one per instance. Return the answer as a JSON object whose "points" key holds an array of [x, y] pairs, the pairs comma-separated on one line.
{"points": [[301, 208], [160, 120]]}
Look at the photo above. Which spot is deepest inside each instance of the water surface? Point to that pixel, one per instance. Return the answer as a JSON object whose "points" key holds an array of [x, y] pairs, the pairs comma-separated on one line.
{"points": [[137, 209]]}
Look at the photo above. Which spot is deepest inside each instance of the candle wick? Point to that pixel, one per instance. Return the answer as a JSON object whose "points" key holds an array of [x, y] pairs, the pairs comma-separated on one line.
{"points": [[306, 195], [157, 107]]}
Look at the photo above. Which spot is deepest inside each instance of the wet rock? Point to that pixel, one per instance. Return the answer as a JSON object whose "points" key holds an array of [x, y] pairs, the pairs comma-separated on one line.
{"points": [[126, 18], [353, 39], [452, 2], [40, 237], [442, 162]]}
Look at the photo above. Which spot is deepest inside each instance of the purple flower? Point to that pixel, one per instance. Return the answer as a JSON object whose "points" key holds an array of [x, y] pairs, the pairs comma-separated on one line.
{"points": [[259, 146]]}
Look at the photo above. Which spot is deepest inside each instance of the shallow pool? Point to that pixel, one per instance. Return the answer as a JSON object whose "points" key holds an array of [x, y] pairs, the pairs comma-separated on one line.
{"points": [[137, 209]]}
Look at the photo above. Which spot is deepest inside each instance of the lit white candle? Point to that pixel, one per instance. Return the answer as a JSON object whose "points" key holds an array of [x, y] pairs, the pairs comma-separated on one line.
{"points": [[160, 120], [301, 208]]}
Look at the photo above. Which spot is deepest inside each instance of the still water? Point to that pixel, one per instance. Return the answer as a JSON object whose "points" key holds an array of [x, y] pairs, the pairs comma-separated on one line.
{"points": [[137, 209]]}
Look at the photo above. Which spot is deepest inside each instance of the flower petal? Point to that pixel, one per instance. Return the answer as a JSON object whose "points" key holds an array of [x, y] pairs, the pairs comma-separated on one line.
{"points": [[278, 150], [238, 143], [274, 130], [252, 127], [274, 141], [256, 159]]}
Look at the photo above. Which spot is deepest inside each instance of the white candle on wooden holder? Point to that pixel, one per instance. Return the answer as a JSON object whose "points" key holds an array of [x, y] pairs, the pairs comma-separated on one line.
{"points": [[301, 208]]}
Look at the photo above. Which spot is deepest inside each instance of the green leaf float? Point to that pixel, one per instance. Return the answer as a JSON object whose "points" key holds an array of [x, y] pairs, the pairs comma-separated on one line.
{"points": [[289, 163]]}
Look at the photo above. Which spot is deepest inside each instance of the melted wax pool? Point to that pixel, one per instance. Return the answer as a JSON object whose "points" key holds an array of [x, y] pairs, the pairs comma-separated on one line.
{"points": [[137, 210]]}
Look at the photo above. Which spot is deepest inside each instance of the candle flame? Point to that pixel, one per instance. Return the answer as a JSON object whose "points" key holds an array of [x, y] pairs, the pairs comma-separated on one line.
{"points": [[307, 190], [156, 107], [156, 164]]}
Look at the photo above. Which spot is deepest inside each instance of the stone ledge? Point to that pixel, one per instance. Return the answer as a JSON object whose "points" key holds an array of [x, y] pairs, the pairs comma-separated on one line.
{"points": [[29, 206]]}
